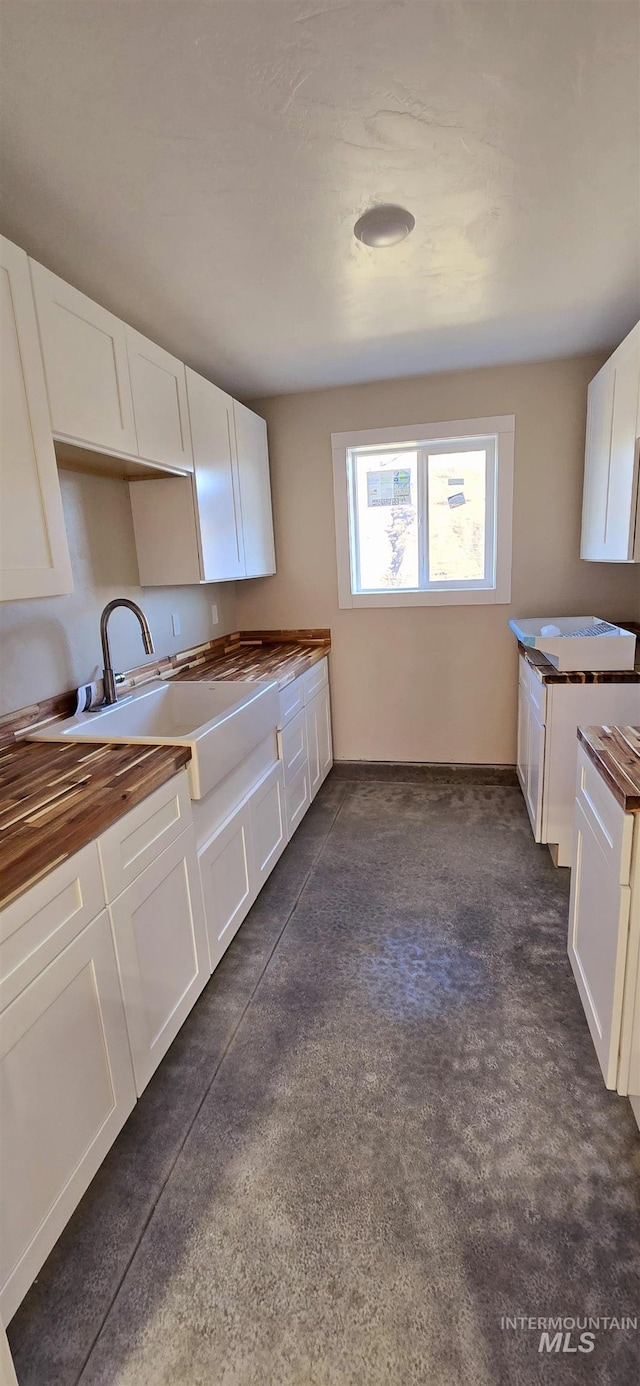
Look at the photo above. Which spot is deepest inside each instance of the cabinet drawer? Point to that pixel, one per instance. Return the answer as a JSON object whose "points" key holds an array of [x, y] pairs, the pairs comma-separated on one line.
{"points": [[291, 700], [298, 799], [135, 841], [40, 923], [292, 747], [315, 679], [610, 825]]}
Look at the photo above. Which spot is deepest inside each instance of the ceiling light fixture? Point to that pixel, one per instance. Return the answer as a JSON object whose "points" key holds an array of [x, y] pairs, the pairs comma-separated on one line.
{"points": [[386, 225]]}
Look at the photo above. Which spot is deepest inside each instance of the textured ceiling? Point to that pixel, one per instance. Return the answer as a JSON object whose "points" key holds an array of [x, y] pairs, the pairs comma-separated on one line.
{"points": [[198, 166]]}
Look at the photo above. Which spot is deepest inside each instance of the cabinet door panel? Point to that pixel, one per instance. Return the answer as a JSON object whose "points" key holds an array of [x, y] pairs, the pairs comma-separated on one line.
{"points": [[160, 937], [292, 746], [218, 502], [255, 492], [598, 927], [226, 870], [86, 367], [159, 388], [34, 555], [596, 462], [268, 825], [325, 739], [622, 485], [298, 799], [67, 1088]]}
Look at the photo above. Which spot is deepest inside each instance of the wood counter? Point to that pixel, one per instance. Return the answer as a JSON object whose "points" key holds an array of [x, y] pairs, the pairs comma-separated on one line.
{"points": [[615, 751], [56, 797]]}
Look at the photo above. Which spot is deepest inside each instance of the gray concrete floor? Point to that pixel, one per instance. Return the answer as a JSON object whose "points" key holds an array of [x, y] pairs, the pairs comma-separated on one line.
{"points": [[382, 1128]]}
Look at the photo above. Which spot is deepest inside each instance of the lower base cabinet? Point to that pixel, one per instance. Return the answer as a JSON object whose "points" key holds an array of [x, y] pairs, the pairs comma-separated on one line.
{"points": [[604, 926], [235, 862], [67, 1087], [161, 944], [549, 715], [319, 744]]}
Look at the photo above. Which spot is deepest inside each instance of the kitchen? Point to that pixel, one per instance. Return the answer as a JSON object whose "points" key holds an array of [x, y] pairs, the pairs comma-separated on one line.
{"points": [[319, 957]]}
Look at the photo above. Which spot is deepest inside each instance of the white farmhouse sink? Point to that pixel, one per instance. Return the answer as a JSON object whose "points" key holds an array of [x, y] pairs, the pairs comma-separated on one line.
{"points": [[219, 722]]}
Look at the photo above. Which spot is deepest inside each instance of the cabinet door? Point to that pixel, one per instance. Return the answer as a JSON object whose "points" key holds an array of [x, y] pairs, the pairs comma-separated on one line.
{"points": [[531, 750], [216, 478], [319, 742], [159, 388], [610, 504], [522, 753], [86, 368], [268, 825], [596, 461], [34, 556], [161, 943], [292, 746], [620, 511], [255, 492], [599, 911], [66, 1090], [226, 871]]}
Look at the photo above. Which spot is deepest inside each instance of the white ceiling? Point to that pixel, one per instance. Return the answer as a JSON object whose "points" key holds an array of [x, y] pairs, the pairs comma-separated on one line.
{"points": [[198, 166]]}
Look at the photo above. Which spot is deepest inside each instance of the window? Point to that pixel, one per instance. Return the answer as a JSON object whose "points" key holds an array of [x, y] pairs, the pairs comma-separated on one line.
{"points": [[423, 515]]}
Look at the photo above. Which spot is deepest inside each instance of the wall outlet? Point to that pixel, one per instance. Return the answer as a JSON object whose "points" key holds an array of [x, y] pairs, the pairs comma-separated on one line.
{"points": [[214, 614], [175, 623]]}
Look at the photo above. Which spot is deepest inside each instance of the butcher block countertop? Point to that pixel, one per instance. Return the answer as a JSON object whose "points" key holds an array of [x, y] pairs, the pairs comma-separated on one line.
{"points": [[615, 751], [56, 797], [261, 655], [547, 672]]}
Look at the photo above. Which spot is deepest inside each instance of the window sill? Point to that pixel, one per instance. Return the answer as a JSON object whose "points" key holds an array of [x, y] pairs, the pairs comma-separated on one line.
{"points": [[472, 596]]}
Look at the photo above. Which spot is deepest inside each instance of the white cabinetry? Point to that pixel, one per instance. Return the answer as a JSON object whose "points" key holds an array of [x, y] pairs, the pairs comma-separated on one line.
{"points": [[236, 861], [151, 877], [84, 351], [159, 932], [255, 492], [34, 557], [610, 527], [604, 925], [66, 1076], [548, 718], [216, 526], [304, 739], [319, 747], [83, 991], [160, 409]]}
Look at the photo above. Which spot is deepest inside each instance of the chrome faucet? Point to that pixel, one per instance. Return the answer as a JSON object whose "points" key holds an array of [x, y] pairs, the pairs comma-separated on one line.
{"points": [[110, 695]]}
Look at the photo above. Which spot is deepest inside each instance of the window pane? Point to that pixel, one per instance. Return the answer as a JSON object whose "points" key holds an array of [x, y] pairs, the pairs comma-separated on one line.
{"points": [[457, 483], [386, 502]]}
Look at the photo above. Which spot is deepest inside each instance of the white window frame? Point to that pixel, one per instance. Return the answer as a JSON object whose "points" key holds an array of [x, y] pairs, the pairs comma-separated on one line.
{"points": [[420, 436]]}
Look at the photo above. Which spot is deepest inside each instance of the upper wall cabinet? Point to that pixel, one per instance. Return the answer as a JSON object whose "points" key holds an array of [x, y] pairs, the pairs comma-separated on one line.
{"points": [[217, 492], [159, 389], [33, 544], [84, 350], [610, 518], [255, 492], [216, 526]]}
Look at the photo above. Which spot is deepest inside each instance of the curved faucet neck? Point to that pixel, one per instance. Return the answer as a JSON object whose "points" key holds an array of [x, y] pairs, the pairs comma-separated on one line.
{"points": [[107, 673]]}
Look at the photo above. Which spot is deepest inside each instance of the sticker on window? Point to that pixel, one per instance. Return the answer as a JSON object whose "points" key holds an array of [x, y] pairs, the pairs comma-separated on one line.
{"points": [[458, 498], [389, 488]]}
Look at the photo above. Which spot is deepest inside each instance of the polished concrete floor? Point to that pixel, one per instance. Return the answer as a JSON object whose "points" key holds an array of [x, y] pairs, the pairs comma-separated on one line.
{"points": [[382, 1129]]}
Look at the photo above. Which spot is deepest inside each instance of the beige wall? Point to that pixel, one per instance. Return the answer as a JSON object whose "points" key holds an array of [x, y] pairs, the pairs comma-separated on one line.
{"points": [[434, 683], [49, 646]]}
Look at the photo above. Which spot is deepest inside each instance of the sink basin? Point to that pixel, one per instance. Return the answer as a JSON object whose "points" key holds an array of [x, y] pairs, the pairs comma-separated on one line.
{"points": [[220, 722]]}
